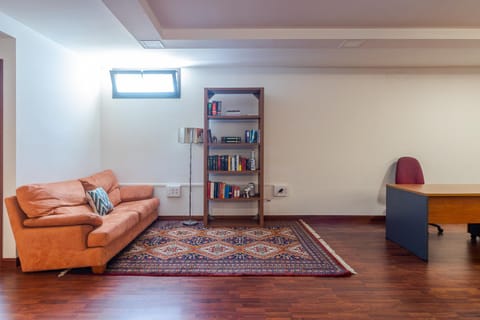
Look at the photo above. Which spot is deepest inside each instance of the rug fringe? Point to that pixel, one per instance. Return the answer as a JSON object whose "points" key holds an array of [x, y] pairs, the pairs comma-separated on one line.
{"points": [[325, 244]]}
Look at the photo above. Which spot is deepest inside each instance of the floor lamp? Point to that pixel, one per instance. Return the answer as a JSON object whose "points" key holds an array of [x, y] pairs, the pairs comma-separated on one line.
{"points": [[190, 136]]}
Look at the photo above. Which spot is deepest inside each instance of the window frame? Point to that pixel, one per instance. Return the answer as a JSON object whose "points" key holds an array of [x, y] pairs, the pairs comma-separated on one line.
{"points": [[175, 73]]}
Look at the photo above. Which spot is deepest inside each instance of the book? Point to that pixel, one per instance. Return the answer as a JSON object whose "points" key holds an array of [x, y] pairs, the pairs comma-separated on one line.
{"points": [[209, 136], [231, 139], [209, 108], [214, 108]]}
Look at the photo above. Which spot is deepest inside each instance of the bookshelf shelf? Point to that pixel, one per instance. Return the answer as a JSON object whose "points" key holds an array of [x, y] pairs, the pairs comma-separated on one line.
{"points": [[235, 117], [233, 145], [245, 130], [226, 172], [236, 199]]}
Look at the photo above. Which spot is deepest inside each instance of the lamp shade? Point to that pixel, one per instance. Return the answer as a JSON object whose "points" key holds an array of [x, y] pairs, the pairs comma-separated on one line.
{"points": [[190, 135]]}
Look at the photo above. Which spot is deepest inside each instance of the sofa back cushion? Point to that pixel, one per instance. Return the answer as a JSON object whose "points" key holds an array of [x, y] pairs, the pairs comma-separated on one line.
{"points": [[71, 216], [38, 200], [106, 180]]}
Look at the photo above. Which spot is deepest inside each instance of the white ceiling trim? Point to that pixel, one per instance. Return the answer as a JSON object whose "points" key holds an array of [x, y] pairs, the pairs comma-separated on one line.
{"points": [[136, 18], [323, 34]]}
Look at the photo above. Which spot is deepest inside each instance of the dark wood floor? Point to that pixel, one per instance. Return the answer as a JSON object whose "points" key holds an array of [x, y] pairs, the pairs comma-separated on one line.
{"points": [[390, 284]]}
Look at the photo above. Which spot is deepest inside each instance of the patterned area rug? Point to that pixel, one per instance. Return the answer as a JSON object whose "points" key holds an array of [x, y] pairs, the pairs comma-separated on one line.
{"points": [[168, 248]]}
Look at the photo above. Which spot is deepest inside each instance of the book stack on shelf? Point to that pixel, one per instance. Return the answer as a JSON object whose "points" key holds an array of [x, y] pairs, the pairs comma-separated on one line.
{"points": [[252, 136], [214, 108], [230, 139], [227, 162], [222, 190], [232, 112]]}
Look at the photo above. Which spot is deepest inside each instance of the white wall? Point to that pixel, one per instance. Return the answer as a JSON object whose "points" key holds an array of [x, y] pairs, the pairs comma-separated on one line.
{"points": [[56, 130], [7, 53], [331, 135]]}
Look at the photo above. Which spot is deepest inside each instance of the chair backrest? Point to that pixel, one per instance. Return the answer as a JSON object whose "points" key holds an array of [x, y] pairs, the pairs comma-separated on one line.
{"points": [[409, 171]]}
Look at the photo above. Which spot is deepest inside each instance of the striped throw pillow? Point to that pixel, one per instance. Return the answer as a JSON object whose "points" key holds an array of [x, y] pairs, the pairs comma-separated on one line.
{"points": [[98, 200]]}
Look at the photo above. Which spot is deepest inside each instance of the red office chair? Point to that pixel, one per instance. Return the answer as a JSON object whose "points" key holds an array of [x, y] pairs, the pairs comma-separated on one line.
{"points": [[409, 171]]}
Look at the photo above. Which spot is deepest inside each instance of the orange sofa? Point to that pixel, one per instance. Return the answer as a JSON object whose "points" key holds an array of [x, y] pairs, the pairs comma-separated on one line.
{"points": [[55, 227]]}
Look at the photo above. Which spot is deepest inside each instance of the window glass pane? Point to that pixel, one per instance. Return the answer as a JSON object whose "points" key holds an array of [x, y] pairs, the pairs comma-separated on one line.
{"points": [[145, 84]]}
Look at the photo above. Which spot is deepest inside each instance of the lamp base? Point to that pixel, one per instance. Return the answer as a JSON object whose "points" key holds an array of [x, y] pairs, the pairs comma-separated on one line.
{"points": [[190, 222]]}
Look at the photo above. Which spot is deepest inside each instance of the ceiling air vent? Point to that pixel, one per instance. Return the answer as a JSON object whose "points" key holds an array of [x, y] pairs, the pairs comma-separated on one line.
{"points": [[152, 44]]}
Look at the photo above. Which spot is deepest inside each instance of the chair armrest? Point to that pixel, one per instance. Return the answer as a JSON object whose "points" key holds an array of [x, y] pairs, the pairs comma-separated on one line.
{"points": [[71, 219], [132, 193]]}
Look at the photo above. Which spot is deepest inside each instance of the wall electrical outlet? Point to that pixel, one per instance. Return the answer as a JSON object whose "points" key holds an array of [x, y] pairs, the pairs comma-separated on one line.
{"points": [[280, 190], [174, 191]]}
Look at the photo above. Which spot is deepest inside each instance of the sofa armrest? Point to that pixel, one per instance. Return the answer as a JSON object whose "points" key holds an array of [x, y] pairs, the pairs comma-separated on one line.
{"points": [[71, 219], [132, 193]]}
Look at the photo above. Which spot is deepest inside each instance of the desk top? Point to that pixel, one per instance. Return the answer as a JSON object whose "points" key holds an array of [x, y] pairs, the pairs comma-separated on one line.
{"points": [[440, 190]]}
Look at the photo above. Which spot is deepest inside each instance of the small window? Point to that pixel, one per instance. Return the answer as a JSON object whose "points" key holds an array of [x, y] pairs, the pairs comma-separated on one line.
{"points": [[145, 83]]}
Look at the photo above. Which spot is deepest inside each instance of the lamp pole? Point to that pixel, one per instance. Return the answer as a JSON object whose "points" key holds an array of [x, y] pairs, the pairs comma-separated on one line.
{"points": [[190, 221]]}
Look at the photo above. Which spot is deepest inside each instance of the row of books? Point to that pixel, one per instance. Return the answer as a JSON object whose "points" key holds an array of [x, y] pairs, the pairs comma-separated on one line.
{"points": [[251, 136], [214, 108], [222, 190], [228, 163]]}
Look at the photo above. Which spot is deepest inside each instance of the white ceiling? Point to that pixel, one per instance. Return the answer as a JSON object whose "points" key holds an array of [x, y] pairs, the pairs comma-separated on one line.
{"points": [[305, 33]]}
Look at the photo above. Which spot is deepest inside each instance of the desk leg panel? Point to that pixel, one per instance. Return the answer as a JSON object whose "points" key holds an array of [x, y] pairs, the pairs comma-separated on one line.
{"points": [[407, 221]]}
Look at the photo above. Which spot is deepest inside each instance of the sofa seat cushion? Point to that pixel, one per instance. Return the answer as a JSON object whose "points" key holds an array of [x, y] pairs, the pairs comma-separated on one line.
{"points": [[78, 215], [142, 207], [106, 180], [114, 226], [38, 200]]}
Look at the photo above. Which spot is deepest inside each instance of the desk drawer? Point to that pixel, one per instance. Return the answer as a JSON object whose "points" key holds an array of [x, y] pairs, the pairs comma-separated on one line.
{"points": [[454, 210]]}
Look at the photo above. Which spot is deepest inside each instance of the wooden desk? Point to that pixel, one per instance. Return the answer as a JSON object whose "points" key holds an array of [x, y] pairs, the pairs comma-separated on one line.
{"points": [[410, 207]]}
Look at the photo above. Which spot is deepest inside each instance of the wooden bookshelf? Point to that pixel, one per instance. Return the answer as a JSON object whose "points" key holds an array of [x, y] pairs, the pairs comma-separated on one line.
{"points": [[216, 123]]}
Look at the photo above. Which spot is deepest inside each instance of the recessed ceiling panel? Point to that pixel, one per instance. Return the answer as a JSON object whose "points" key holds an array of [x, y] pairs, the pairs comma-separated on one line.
{"points": [[316, 13]]}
